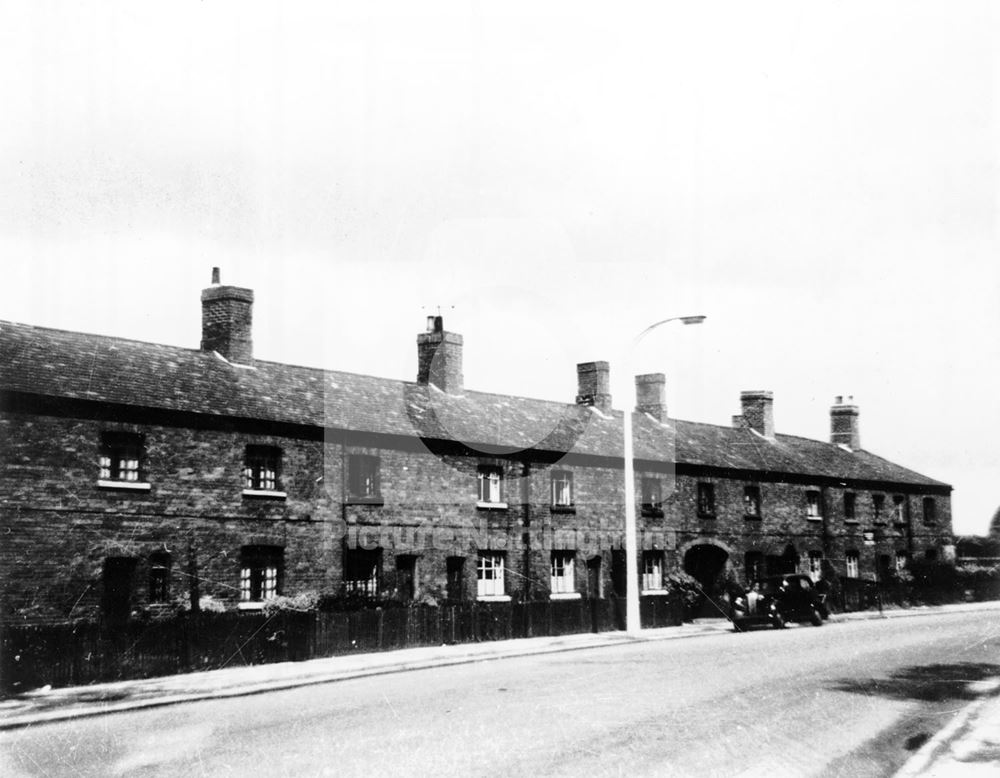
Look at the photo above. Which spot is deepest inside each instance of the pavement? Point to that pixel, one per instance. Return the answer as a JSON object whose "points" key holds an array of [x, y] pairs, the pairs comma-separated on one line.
{"points": [[968, 746]]}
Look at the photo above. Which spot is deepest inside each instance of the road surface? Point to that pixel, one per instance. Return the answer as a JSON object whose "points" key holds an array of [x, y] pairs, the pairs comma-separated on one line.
{"points": [[851, 699]]}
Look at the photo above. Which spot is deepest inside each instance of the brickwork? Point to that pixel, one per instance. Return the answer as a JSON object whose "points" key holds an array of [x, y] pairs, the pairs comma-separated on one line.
{"points": [[227, 321]]}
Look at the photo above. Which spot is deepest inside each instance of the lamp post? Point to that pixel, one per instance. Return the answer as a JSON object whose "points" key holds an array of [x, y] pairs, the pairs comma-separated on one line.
{"points": [[632, 625]]}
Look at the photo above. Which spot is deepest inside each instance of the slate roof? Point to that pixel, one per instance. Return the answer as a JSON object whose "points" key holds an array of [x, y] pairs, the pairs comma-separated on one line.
{"points": [[65, 364]]}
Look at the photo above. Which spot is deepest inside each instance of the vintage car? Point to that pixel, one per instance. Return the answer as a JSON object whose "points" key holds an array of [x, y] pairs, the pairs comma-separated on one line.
{"points": [[778, 599]]}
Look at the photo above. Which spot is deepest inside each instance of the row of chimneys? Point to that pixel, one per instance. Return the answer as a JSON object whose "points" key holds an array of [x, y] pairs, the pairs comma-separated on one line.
{"points": [[227, 317]]}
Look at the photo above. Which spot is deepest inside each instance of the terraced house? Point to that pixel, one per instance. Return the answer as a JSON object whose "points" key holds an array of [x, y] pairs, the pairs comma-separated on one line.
{"points": [[138, 476]]}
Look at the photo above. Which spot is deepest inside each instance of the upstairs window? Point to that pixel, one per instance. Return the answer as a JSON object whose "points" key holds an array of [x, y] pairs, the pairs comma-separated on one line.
{"points": [[852, 564], [262, 469], [652, 497], [813, 509], [363, 479], [159, 577], [706, 499], [930, 510], [902, 560], [120, 461], [562, 579], [878, 508], [260, 571], [652, 571], [562, 489], [751, 502], [899, 509], [850, 500], [490, 575], [490, 479]]}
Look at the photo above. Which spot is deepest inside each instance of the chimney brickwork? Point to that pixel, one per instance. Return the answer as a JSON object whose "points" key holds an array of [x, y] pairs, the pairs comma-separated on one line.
{"points": [[594, 385], [439, 357], [227, 321], [651, 395], [758, 411], [844, 428]]}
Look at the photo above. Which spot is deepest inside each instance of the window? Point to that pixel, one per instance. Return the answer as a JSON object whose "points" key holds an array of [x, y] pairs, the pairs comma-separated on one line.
{"points": [[120, 460], [159, 577], [262, 469], [652, 497], [562, 579], [706, 499], [753, 564], [930, 510], [813, 505], [260, 569], [562, 489], [489, 575], [361, 571], [849, 506], [455, 585], [878, 507], [751, 502], [363, 482], [815, 564], [490, 479], [652, 571], [852, 564], [899, 509], [931, 555], [902, 560]]}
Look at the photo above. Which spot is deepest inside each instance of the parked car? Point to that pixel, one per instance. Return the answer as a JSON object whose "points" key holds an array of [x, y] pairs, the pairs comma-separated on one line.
{"points": [[778, 599]]}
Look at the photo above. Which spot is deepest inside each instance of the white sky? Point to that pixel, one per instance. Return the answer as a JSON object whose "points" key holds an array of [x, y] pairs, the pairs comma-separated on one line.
{"points": [[820, 179]]}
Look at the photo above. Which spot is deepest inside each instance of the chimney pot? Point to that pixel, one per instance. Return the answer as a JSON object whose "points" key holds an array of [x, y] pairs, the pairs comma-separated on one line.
{"points": [[758, 411], [227, 320], [844, 427], [651, 395], [594, 385], [439, 357]]}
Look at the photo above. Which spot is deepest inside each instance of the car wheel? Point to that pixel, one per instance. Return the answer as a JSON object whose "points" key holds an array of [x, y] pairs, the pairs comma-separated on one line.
{"points": [[816, 618]]}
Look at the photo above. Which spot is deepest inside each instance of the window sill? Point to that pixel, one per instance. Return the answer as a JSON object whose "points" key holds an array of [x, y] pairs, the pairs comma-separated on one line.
{"points": [[127, 486], [562, 508], [256, 605], [364, 501], [264, 493], [654, 592], [854, 522], [564, 596], [493, 598], [491, 506], [814, 518]]}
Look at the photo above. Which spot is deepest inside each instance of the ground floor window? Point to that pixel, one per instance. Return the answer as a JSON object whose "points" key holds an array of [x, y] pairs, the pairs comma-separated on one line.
{"points": [[159, 577], [852, 564], [260, 572], [562, 579], [490, 574], [361, 571], [902, 561], [815, 564], [652, 571]]}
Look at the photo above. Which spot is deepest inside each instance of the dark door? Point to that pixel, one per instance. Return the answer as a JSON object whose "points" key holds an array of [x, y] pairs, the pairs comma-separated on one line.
{"points": [[119, 576], [456, 578], [406, 577]]}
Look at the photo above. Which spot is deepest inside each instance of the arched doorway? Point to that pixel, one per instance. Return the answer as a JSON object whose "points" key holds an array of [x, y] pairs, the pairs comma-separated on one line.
{"points": [[707, 564]]}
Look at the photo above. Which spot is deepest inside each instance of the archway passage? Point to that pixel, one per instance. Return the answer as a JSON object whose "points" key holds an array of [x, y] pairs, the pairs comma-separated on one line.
{"points": [[707, 564]]}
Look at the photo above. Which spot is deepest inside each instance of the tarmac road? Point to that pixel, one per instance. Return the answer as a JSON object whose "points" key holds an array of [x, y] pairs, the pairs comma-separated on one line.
{"points": [[854, 698]]}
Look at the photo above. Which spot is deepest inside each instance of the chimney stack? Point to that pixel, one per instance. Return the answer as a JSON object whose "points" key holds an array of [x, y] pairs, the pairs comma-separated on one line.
{"points": [[439, 357], [758, 411], [593, 381], [651, 395], [226, 321], [844, 429]]}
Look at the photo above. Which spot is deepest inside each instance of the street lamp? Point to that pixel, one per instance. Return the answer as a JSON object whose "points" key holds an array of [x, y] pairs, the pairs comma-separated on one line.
{"points": [[632, 625]]}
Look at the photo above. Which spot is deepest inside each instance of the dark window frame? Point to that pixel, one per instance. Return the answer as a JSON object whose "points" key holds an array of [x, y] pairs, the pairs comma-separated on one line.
{"points": [[261, 573], [850, 507], [929, 516], [752, 505], [116, 453], [651, 492], [160, 565], [705, 499], [262, 468], [364, 479], [563, 477]]}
